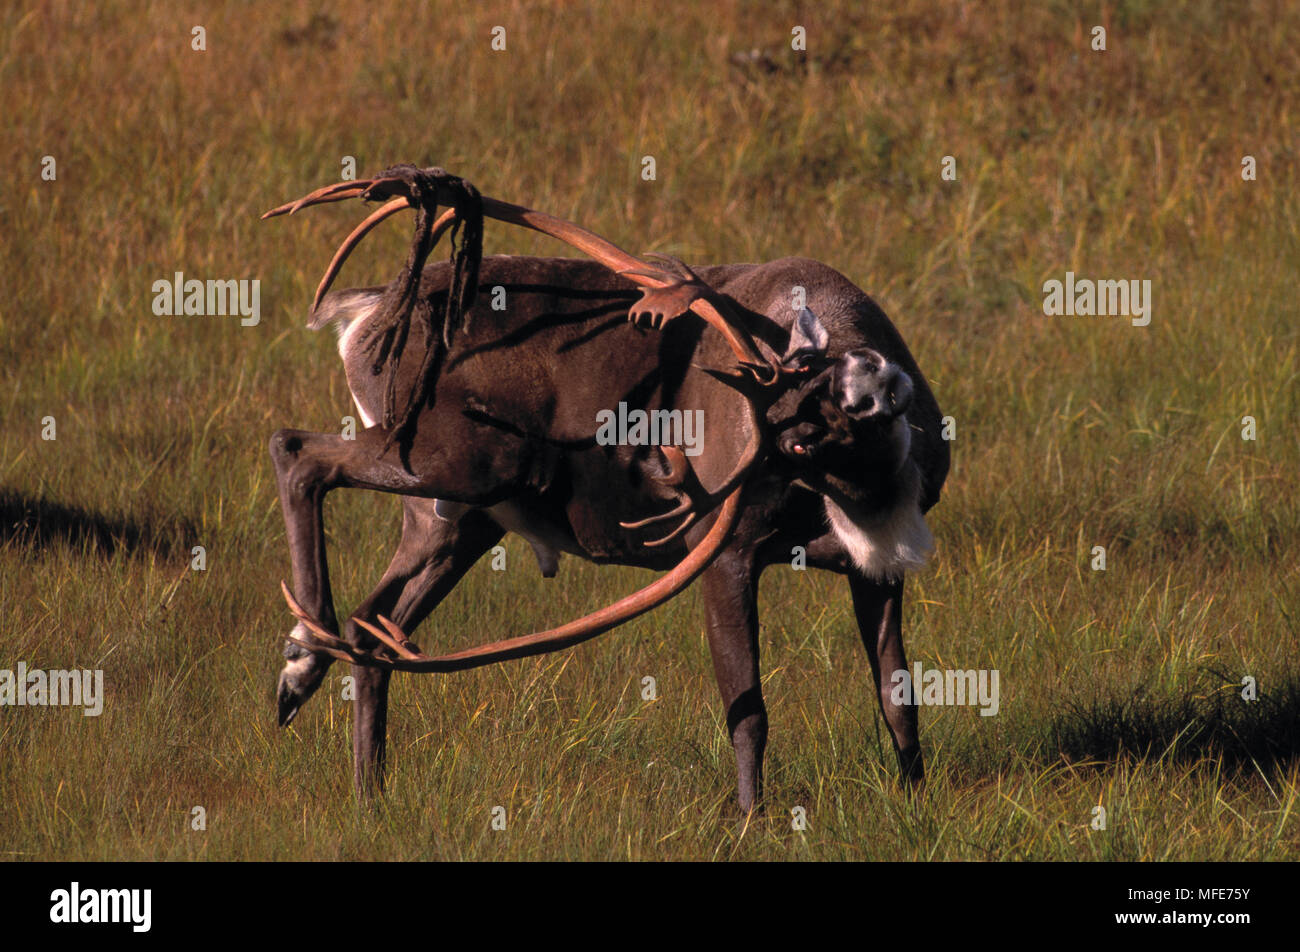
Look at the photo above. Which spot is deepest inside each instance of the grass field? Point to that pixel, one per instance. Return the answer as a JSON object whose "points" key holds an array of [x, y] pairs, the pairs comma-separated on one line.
{"points": [[1119, 688]]}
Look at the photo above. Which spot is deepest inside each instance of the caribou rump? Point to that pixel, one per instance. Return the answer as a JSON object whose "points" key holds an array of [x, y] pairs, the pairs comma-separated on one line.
{"points": [[819, 433]]}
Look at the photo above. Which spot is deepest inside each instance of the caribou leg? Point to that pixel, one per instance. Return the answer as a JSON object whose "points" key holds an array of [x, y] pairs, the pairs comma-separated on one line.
{"points": [[301, 503], [730, 589], [879, 609], [431, 559], [307, 466]]}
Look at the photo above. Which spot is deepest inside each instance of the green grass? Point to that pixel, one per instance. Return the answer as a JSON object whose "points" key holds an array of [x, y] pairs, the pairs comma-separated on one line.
{"points": [[1119, 688]]}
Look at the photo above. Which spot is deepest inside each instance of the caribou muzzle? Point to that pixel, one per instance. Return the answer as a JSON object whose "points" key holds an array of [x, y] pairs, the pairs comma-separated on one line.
{"points": [[866, 386]]}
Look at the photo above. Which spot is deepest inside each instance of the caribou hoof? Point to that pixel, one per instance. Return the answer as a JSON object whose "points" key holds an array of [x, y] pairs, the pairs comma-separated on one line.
{"points": [[301, 675]]}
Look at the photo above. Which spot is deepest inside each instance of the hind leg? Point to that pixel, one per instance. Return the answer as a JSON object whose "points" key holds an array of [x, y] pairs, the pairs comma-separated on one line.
{"points": [[309, 465], [465, 462]]}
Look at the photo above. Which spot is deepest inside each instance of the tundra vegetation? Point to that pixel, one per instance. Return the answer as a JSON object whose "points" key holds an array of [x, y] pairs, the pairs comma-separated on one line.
{"points": [[1119, 688]]}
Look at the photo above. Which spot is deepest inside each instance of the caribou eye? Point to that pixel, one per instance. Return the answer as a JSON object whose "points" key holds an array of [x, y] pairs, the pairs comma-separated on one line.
{"points": [[802, 441]]}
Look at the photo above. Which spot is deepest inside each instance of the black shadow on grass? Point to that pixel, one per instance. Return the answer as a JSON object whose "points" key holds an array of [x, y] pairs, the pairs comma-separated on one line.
{"points": [[41, 523], [1184, 728]]}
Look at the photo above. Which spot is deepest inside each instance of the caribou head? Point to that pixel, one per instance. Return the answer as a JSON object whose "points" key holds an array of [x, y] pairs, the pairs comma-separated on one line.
{"points": [[849, 437]]}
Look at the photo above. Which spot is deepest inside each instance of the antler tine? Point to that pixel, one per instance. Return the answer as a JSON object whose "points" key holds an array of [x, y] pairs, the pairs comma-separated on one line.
{"points": [[389, 186], [351, 241], [384, 638], [395, 630], [696, 501], [316, 648], [338, 192], [312, 625], [682, 478], [339, 649], [690, 520], [393, 637], [713, 309], [685, 509]]}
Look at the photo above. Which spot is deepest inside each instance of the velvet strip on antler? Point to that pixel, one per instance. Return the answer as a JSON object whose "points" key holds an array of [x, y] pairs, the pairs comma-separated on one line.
{"points": [[424, 189]]}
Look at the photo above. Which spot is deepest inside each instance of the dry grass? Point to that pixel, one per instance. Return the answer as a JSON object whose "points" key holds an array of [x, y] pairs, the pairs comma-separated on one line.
{"points": [[1118, 688]]}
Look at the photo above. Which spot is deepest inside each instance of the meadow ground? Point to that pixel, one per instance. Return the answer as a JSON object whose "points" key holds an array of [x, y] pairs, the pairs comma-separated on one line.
{"points": [[1119, 688]]}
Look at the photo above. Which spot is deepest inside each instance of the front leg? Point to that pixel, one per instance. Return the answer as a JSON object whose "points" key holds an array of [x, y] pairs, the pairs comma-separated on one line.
{"points": [[730, 588], [879, 609]]}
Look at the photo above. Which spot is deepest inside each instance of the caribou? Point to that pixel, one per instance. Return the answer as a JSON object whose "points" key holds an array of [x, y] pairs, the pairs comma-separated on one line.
{"points": [[821, 441]]}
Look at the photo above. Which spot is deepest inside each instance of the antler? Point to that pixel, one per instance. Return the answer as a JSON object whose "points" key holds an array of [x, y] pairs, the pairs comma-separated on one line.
{"points": [[396, 652], [670, 288]]}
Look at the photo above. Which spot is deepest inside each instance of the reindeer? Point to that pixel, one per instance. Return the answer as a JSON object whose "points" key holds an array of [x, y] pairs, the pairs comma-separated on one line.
{"points": [[820, 432]]}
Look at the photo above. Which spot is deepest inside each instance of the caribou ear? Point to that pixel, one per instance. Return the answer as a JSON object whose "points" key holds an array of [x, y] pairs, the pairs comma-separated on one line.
{"points": [[808, 337]]}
